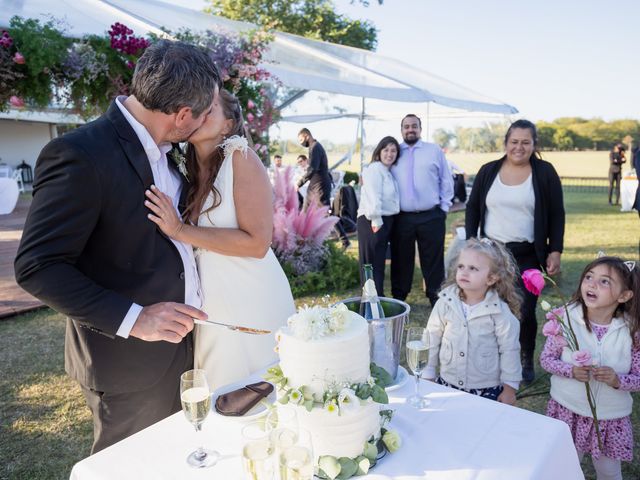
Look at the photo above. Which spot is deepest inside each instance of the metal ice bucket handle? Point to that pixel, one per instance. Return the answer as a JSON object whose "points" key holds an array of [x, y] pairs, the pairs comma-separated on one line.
{"points": [[385, 335]]}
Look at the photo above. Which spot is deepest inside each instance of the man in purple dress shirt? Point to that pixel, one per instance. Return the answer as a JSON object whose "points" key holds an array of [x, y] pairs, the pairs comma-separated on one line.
{"points": [[426, 189]]}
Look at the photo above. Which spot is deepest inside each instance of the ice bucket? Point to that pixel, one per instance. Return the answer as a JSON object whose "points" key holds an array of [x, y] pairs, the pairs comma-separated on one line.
{"points": [[385, 334]]}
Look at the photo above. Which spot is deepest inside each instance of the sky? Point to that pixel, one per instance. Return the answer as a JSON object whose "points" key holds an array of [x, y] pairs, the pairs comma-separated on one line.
{"points": [[547, 58]]}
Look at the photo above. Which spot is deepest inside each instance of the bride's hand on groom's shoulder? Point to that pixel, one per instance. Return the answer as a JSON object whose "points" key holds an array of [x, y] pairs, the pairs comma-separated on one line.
{"points": [[164, 213], [168, 321]]}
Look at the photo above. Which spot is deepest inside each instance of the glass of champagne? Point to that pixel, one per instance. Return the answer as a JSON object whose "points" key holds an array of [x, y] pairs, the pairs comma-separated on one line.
{"points": [[297, 461], [196, 404], [257, 452], [417, 359]]}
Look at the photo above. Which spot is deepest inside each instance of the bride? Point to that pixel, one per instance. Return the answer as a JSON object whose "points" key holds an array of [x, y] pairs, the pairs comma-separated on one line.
{"points": [[229, 221]]}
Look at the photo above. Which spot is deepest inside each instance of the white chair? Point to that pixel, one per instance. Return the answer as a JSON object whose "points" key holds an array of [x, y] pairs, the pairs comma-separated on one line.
{"points": [[9, 194], [17, 176]]}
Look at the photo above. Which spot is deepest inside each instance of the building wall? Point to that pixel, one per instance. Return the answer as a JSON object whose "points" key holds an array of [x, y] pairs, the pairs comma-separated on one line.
{"points": [[20, 140]]}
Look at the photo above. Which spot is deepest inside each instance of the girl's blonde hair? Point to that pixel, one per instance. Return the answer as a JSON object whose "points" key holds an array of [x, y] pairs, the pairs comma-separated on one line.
{"points": [[503, 268]]}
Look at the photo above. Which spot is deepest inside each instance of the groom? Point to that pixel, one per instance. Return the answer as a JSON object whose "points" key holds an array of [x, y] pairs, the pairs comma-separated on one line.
{"points": [[89, 251]]}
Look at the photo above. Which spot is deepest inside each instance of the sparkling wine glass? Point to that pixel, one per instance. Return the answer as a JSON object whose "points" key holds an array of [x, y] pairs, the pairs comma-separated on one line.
{"points": [[196, 404], [297, 461], [417, 359], [258, 458]]}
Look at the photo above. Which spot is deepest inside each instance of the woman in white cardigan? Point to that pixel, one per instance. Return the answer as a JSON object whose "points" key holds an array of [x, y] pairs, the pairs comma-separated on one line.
{"points": [[379, 202]]}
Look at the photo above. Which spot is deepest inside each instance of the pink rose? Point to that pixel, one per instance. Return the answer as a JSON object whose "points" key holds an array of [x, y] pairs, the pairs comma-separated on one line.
{"points": [[19, 58], [581, 358], [16, 101], [552, 328], [560, 341], [533, 281], [250, 117], [250, 104]]}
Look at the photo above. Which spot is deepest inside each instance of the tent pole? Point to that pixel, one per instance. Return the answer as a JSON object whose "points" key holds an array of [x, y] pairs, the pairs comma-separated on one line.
{"points": [[362, 136], [428, 118]]}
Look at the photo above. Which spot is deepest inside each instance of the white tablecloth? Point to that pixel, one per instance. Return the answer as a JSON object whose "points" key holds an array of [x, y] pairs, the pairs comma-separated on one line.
{"points": [[459, 436], [628, 187]]}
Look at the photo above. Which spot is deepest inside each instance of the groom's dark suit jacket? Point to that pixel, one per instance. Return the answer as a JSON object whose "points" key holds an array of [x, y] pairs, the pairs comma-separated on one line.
{"points": [[89, 251]]}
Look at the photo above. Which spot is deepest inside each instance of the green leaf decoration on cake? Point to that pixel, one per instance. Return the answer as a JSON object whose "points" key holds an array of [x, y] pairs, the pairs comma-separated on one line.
{"points": [[378, 394], [383, 378], [348, 468]]}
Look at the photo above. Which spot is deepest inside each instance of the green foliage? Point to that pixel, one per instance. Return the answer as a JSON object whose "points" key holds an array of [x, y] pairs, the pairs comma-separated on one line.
{"points": [[443, 137], [44, 49], [316, 19], [340, 273]]}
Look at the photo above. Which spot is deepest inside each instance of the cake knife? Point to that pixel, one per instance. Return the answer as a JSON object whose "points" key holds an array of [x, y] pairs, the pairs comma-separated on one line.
{"points": [[238, 328]]}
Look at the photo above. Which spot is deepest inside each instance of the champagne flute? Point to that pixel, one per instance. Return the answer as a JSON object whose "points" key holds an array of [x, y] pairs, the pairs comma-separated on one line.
{"points": [[297, 461], [417, 359], [257, 452], [196, 404]]}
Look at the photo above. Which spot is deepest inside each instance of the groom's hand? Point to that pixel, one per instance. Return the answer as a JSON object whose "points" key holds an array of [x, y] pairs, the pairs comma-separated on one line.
{"points": [[166, 321]]}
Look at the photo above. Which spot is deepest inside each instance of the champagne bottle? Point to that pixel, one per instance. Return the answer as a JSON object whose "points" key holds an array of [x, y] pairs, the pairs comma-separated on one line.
{"points": [[370, 307]]}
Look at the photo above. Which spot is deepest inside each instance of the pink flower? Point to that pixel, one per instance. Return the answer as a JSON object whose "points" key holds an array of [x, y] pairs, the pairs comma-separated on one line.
{"points": [[250, 104], [533, 281], [552, 328], [250, 117], [555, 314], [560, 341], [16, 101], [19, 58], [581, 358]]}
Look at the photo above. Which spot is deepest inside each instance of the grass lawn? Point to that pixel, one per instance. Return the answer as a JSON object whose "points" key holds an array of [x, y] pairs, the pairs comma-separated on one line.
{"points": [[45, 426]]}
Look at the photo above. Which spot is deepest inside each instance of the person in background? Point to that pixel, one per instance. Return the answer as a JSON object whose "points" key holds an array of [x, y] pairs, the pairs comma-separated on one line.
{"points": [[277, 161], [616, 159], [379, 203], [636, 203], [459, 183], [473, 331], [302, 165], [319, 178], [425, 186], [604, 314], [517, 200]]}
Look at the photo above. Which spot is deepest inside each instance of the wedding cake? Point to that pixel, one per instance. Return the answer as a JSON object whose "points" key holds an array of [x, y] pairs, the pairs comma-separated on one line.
{"points": [[325, 372]]}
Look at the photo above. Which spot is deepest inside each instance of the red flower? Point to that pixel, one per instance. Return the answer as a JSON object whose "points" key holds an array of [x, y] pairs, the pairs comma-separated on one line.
{"points": [[533, 281]]}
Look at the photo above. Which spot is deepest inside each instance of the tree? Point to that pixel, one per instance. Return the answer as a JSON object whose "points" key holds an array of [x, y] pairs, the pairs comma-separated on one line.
{"points": [[310, 18], [443, 137]]}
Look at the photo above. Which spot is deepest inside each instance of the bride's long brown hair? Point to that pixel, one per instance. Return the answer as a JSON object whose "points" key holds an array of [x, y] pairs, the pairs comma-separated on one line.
{"points": [[199, 188]]}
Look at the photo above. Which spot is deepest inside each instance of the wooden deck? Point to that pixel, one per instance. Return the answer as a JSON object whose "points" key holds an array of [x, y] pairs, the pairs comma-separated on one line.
{"points": [[13, 300]]}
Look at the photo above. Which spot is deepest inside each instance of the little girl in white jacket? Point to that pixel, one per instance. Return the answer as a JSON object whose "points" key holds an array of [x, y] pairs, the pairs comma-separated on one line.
{"points": [[473, 333]]}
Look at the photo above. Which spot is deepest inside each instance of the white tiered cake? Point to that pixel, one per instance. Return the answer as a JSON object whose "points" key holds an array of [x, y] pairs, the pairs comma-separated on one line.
{"points": [[323, 361]]}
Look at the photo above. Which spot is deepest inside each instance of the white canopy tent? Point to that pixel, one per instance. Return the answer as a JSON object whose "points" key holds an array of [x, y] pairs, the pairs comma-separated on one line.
{"points": [[298, 62]]}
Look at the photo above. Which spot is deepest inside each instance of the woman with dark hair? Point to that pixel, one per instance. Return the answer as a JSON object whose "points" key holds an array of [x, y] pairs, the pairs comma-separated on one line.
{"points": [[379, 202], [229, 219], [518, 201]]}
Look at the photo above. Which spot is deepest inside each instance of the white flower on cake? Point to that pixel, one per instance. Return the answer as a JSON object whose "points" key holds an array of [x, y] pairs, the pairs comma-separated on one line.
{"points": [[296, 397], [347, 400], [331, 406], [371, 381], [312, 323], [391, 440]]}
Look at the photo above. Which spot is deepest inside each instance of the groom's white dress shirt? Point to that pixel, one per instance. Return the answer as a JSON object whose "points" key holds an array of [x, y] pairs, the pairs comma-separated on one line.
{"points": [[169, 182]]}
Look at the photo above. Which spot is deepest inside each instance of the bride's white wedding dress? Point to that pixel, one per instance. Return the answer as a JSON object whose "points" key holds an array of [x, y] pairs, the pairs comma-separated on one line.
{"points": [[237, 290]]}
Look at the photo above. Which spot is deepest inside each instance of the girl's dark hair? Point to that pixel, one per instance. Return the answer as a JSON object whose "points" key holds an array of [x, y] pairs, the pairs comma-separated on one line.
{"points": [[524, 125], [375, 157], [630, 278], [199, 190]]}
